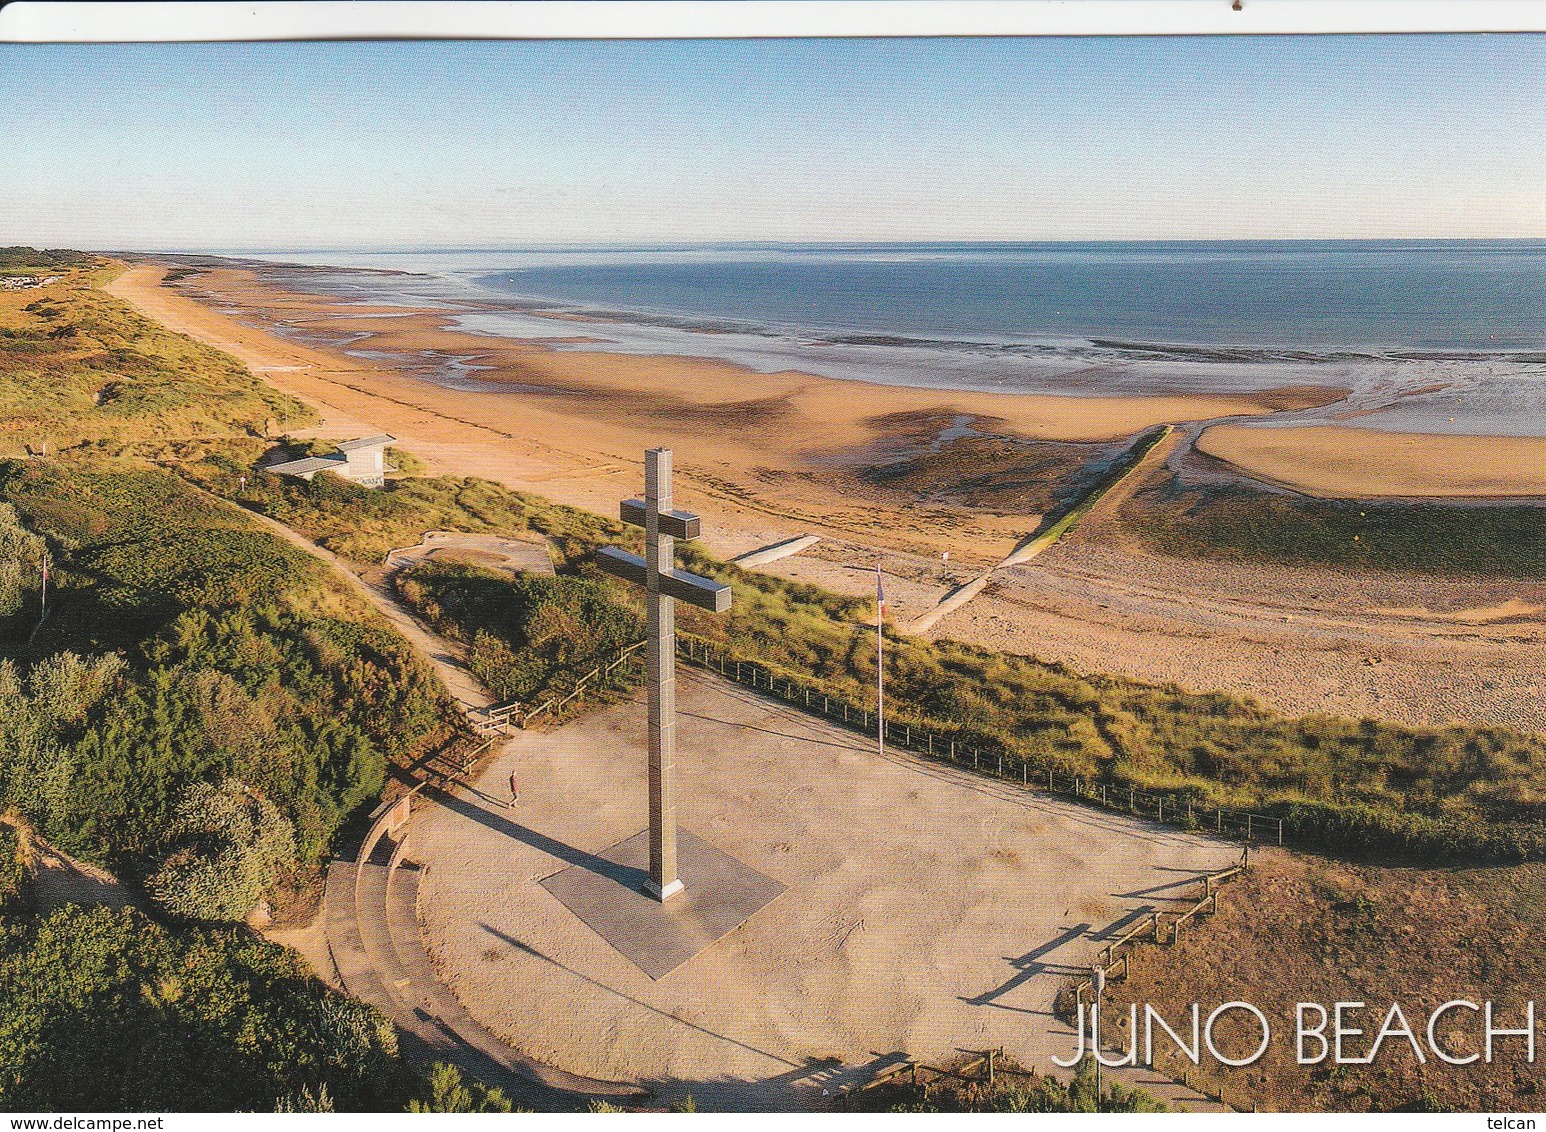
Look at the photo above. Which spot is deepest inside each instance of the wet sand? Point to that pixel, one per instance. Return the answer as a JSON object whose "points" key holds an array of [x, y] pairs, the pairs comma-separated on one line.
{"points": [[790, 461], [758, 451]]}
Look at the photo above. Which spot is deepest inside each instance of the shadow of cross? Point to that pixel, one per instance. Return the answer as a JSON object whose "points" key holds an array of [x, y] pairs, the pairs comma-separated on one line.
{"points": [[1029, 965], [664, 585]]}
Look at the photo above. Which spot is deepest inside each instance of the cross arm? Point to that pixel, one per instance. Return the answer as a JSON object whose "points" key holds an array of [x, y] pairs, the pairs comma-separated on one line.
{"points": [[621, 564], [702, 592], [677, 524]]}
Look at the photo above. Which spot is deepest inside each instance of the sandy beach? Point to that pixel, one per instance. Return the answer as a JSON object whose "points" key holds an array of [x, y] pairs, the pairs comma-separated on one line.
{"points": [[793, 460], [1362, 463], [759, 451]]}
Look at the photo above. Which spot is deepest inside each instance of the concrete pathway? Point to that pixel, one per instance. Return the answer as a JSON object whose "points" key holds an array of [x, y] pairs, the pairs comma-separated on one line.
{"points": [[766, 554], [1041, 540]]}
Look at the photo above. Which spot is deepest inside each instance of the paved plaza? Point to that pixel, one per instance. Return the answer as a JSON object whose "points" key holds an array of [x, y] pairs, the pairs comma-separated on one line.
{"points": [[867, 906]]}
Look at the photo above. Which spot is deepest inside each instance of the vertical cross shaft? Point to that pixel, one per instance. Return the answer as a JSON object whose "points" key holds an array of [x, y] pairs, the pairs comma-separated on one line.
{"points": [[664, 585], [661, 626]]}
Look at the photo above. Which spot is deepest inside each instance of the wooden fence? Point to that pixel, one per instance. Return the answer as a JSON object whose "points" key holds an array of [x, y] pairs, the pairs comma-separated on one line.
{"points": [[982, 1067], [963, 752], [517, 714], [992, 762], [1155, 928]]}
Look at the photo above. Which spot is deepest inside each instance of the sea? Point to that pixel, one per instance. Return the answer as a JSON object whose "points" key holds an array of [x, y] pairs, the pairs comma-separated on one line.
{"points": [[1428, 335]]}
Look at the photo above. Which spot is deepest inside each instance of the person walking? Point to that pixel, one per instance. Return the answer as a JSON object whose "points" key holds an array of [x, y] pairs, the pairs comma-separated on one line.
{"points": [[515, 790]]}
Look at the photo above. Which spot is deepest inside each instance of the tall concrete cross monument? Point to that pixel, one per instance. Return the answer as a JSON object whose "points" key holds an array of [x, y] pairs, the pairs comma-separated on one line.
{"points": [[665, 585]]}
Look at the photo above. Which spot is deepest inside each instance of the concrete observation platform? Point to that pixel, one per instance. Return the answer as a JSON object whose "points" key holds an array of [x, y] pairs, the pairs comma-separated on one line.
{"points": [[840, 907]]}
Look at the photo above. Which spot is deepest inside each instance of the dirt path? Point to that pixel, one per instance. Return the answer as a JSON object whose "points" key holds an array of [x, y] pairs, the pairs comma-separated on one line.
{"points": [[443, 656]]}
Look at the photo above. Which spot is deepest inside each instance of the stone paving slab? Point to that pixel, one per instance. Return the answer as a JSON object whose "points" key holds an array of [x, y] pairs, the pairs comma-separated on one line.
{"points": [[719, 894]]}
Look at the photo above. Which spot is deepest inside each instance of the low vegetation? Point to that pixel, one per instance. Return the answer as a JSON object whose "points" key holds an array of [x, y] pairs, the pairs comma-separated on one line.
{"points": [[21, 260], [108, 1010], [1304, 929], [1344, 785], [186, 649], [15, 883], [1357, 786], [1243, 525], [1011, 1089], [362, 524], [81, 370], [527, 636]]}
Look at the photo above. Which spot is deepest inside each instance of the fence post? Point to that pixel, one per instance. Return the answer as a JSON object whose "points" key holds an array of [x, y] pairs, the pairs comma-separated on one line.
{"points": [[1001, 764], [1161, 809], [952, 750], [976, 758], [1219, 817], [1248, 829], [1280, 833], [931, 744], [1025, 773]]}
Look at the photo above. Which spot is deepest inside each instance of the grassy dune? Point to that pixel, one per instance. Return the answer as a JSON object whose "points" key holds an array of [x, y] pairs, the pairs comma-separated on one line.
{"points": [[81, 370], [1299, 929], [1243, 525]]}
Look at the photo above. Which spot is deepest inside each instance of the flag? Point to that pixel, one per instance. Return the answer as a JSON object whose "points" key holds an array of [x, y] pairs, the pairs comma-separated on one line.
{"points": [[880, 596]]}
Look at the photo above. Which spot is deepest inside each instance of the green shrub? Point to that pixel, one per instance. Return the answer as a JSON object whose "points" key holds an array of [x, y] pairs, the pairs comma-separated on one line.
{"points": [[15, 891], [245, 659], [529, 634], [447, 1089], [108, 1011], [228, 846], [21, 559]]}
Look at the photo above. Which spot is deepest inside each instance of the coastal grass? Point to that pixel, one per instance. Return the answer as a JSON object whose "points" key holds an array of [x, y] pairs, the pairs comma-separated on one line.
{"points": [[80, 369], [1300, 928], [362, 524], [1246, 525], [1011, 1089], [1360, 786]]}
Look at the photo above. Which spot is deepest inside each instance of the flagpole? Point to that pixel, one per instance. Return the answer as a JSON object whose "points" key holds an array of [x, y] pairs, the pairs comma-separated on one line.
{"points": [[880, 663]]}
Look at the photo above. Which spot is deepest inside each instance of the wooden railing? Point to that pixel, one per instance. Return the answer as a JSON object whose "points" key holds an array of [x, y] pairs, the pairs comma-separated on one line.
{"points": [[517, 714], [1154, 926]]}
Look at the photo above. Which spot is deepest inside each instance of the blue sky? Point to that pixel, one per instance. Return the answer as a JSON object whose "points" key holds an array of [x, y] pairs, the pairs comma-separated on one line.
{"points": [[490, 144]]}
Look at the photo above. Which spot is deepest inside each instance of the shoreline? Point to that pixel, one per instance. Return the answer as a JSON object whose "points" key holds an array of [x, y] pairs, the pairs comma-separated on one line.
{"points": [[1299, 640], [786, 448]]}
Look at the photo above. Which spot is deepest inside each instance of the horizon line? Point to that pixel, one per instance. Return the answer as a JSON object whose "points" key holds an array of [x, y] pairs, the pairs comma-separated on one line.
{"points": [[693, 245]]}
